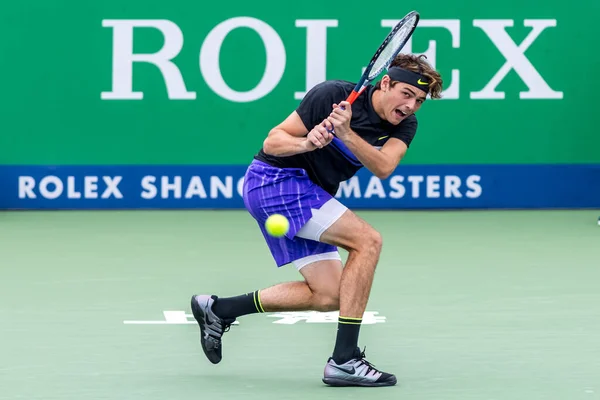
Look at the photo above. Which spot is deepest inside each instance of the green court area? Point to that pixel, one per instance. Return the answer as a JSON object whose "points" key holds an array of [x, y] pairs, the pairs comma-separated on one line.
{"points": [[465, 305]]}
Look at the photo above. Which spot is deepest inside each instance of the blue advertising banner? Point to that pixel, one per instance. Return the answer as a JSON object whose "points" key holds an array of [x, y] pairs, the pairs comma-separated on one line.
{"points": [[219, 187]]}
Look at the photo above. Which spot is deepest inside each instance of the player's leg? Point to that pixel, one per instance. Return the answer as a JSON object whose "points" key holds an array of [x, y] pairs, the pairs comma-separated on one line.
{"points": [[347, 366], [363, 244], [319, 264], [318, 292]]}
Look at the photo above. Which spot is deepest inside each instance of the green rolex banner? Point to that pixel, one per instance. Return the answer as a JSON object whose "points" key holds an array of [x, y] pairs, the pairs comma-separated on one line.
{"points": [[195, 82]]}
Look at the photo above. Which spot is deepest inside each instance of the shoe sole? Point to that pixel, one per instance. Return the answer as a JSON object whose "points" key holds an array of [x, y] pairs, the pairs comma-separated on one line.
{"points": [[342, 383], [200, 318]]}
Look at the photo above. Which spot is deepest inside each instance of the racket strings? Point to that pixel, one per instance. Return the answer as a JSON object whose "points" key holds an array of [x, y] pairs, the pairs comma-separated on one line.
{"points": [[389, 52]]}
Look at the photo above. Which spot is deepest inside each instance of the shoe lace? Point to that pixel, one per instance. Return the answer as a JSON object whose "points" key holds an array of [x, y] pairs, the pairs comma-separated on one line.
{"points": [[370, 366], [227, 324]]}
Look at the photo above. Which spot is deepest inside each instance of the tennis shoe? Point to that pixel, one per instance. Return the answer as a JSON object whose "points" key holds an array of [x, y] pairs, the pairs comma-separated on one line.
{"points": [[212, 327], [356, 372]]}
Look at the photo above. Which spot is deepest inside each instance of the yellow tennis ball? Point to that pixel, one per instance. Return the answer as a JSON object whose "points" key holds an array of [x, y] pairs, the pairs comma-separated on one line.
{"points": [[277, 225]]}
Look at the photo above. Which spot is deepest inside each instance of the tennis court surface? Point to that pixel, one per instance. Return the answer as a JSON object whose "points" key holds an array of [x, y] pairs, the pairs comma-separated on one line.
{"points": [[465, 305]]}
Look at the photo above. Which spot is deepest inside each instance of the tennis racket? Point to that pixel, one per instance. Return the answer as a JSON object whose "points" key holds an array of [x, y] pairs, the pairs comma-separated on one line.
{"points": [[387, 51]]}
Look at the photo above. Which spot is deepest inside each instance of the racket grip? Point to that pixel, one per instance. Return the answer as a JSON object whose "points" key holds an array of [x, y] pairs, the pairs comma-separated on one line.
{"points": [[353, 96]]}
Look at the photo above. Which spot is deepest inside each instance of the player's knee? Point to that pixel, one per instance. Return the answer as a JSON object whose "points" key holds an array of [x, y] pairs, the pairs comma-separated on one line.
{"points": [[376, 240], [326, 302], [370, 241], [327, 298]]}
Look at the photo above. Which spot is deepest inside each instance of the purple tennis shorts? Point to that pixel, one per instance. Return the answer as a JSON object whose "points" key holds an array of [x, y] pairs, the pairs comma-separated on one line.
{"points": [[290, 192]]}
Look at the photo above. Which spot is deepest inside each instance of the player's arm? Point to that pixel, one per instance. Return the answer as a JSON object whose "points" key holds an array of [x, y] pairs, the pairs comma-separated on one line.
{"points": [[380, 162], [292, 137]]}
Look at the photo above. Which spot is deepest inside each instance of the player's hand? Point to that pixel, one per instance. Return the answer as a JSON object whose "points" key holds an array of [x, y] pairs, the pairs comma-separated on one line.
{"points": [[340, 118], [319, 136]]}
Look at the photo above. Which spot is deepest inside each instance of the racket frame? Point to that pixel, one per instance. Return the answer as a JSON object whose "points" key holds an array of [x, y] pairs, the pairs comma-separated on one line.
{"points": [[364, 81]]}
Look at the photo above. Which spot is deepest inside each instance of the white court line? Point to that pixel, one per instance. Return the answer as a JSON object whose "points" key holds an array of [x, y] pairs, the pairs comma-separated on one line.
{"points": [[171, 318]]}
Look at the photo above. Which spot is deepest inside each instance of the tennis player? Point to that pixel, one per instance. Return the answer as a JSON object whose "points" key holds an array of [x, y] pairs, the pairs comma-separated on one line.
{"points": [[297, 173]]}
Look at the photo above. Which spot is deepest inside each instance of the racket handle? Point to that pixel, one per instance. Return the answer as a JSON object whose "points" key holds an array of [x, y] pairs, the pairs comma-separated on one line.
{"points": [[353, 96]]}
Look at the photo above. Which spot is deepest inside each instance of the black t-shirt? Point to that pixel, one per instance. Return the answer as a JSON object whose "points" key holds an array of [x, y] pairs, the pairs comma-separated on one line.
{"points": [[335, 163]]}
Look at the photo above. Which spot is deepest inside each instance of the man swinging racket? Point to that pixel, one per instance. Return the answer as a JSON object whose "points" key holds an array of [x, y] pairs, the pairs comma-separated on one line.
{"points": [[331, 135]]}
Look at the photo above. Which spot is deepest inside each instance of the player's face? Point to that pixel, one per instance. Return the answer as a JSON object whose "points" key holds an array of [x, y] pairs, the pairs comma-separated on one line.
{"points": [[400, 101]]}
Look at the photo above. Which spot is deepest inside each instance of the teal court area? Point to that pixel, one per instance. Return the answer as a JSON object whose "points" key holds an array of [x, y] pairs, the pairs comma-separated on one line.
{"points": [[465, 305]]}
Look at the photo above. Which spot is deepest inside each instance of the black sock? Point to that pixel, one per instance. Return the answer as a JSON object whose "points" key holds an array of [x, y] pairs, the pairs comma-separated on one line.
{"points": [[233, 307], [347, 339]]}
